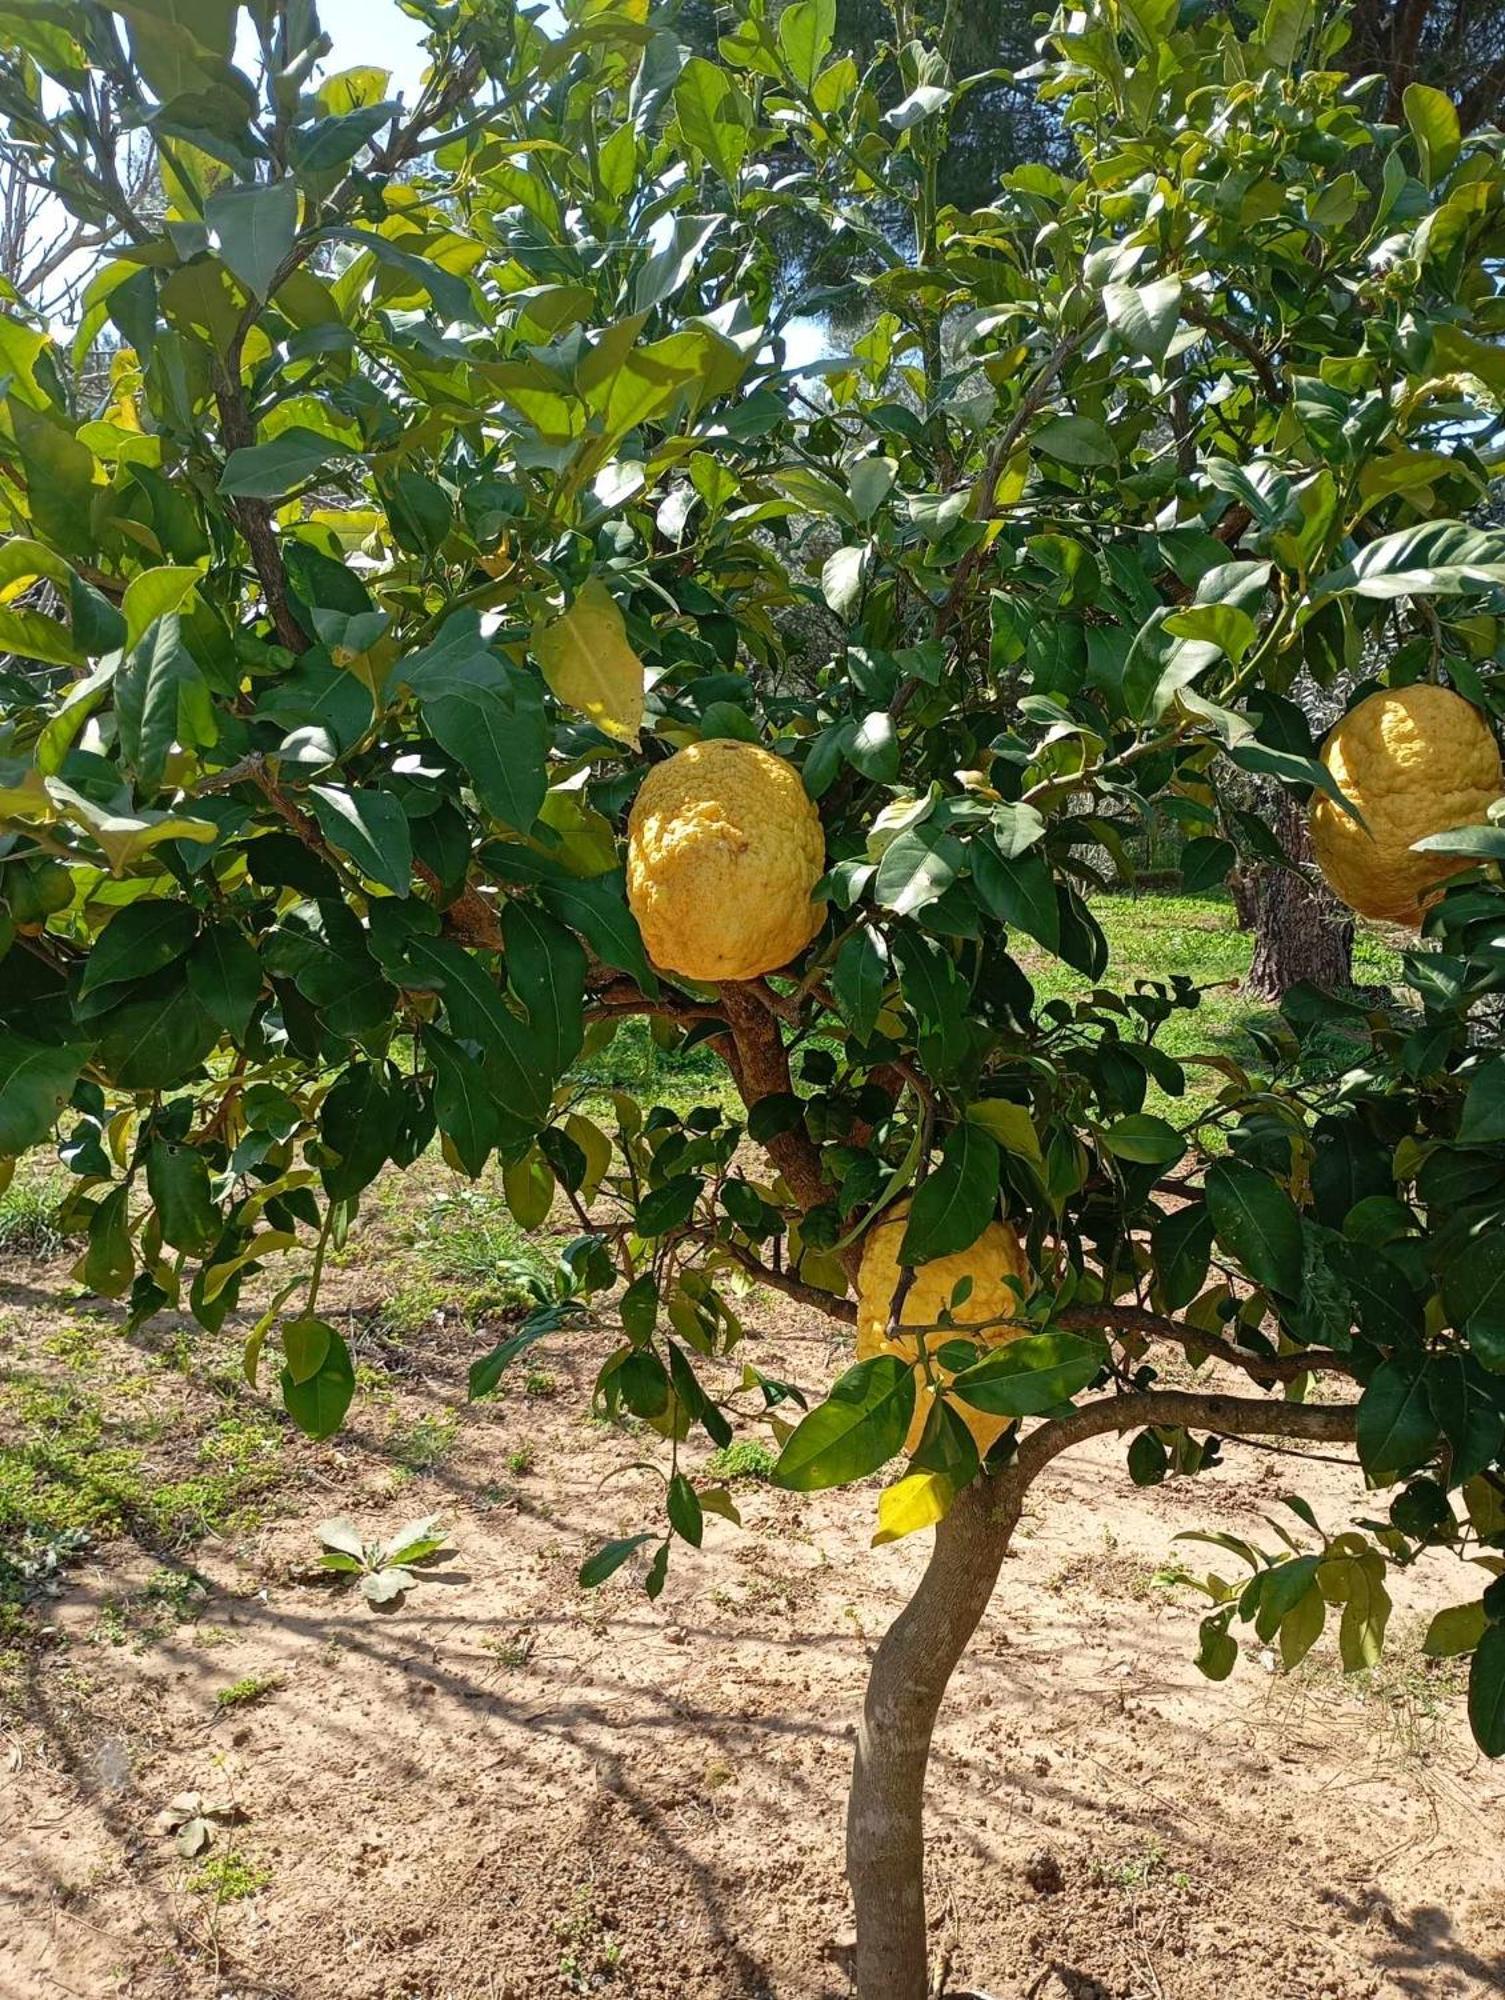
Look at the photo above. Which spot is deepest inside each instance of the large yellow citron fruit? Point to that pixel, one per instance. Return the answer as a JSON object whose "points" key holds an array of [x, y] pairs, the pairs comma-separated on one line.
{"points": [[723, 849], [1414, 760], [990, 1262]]}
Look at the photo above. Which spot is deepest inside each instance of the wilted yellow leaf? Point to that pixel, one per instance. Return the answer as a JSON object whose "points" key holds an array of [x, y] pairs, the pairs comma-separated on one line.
{"points": [[589, 664], [918, 1500]]}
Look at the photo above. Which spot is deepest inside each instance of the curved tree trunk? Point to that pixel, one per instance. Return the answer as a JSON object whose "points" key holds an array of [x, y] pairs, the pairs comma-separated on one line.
{"points": [[910, 1672], [918, 1653], [1301, 930]]}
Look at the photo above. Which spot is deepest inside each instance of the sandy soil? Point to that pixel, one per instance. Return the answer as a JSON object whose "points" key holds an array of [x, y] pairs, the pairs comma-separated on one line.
{"points": [[507, 1787]]}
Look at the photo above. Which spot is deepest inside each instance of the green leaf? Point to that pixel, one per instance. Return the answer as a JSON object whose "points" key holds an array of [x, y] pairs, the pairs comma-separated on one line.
{"points": [[138, 940], [597, 909], [1397, 1431], [1144, 317], [157, 1038], [1144, 1139], [1433, 119], [685, 1516], [154, 594], [1454, 1631], [224, 976], [305, 1343], [858, 978], [161, 698], [918, 866], [668, 1207], [807, 29], [1217, 1652], [268, 471], [1182, 1245], [1483, 1119], [957, 1199], [608, 1559], [1205, 862], [177, 1179], [858, 1428], [358, 1123], [371, 827], [35, 1082], [1257, 1223], [1483, 843], [715, 115], [1436, 558], [252, 228], [1033, 1375], [464, 1108], [318, 1405], [1020, 893], [1078, 441], [489, 717]]}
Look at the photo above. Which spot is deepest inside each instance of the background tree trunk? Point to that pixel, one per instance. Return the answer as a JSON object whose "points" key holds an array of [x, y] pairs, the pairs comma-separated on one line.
{"points": [[1301, 931]]}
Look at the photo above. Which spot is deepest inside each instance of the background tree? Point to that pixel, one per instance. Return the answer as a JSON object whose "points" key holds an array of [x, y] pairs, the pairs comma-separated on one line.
{"points": [[451, 474]]}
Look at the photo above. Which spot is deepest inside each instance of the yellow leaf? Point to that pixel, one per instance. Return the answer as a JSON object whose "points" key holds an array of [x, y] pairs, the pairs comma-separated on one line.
{"points": [[589, 664], [918, 1500]]}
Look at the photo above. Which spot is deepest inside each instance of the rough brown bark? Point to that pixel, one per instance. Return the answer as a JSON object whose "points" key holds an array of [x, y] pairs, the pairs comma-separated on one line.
{"points": [[914, 1663], [1301, 930], [759, 1064]]}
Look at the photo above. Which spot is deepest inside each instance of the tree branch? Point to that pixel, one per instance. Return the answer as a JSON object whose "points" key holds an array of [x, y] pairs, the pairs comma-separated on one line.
{"points": [[759, 1062], [1154, 1326]]}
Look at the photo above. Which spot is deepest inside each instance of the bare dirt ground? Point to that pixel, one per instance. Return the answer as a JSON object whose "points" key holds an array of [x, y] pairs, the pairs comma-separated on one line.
{"points": [[507, 1786]]}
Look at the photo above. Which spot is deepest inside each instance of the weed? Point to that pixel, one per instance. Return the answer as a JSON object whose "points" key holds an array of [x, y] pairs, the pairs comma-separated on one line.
{"points": [[470, 1237], [521, 1460], [748, 1459], [421, 1445], [386, 1569], [540, 1384], [591, 1952], [409, 1309], [229, 1877], [514, 1650], [250, 1688]]}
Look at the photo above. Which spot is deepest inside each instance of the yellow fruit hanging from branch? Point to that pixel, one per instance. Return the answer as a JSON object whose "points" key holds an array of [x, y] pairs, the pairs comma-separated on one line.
{"points": [[1414, 761], [723, 849], [991, 1262]]}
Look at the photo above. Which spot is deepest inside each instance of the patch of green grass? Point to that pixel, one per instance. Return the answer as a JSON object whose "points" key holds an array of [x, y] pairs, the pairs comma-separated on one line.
{"points": [[748, 1459], [422, 1444], [80, 1460], [28, 1220], [229, 1877], [540, 1384], [410, 1308], [1156, 934], [521, 1460], [633, 1061], [248, 1690], [470, 1238]]}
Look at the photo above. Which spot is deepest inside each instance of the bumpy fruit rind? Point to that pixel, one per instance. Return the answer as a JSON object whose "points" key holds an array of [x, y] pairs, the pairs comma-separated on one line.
{"points": [[723, 849], [990, 1262], [1414, 761]]}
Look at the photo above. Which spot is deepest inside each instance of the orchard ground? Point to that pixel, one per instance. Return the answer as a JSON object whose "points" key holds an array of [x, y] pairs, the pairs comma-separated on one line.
{"points": [[505, 1785]]}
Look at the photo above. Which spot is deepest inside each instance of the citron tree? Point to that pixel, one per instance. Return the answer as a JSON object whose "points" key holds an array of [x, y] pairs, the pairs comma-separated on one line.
{"points": [[443, 621]]}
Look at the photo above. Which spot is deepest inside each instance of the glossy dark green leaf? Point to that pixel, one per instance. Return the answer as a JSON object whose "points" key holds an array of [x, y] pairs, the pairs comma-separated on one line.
{"points": [[177, 1179], [318, 1405], [956, 1200], [1257, 1223], [369, 826], [1397, 1430], [858, 1428], [1032, 1375]]}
